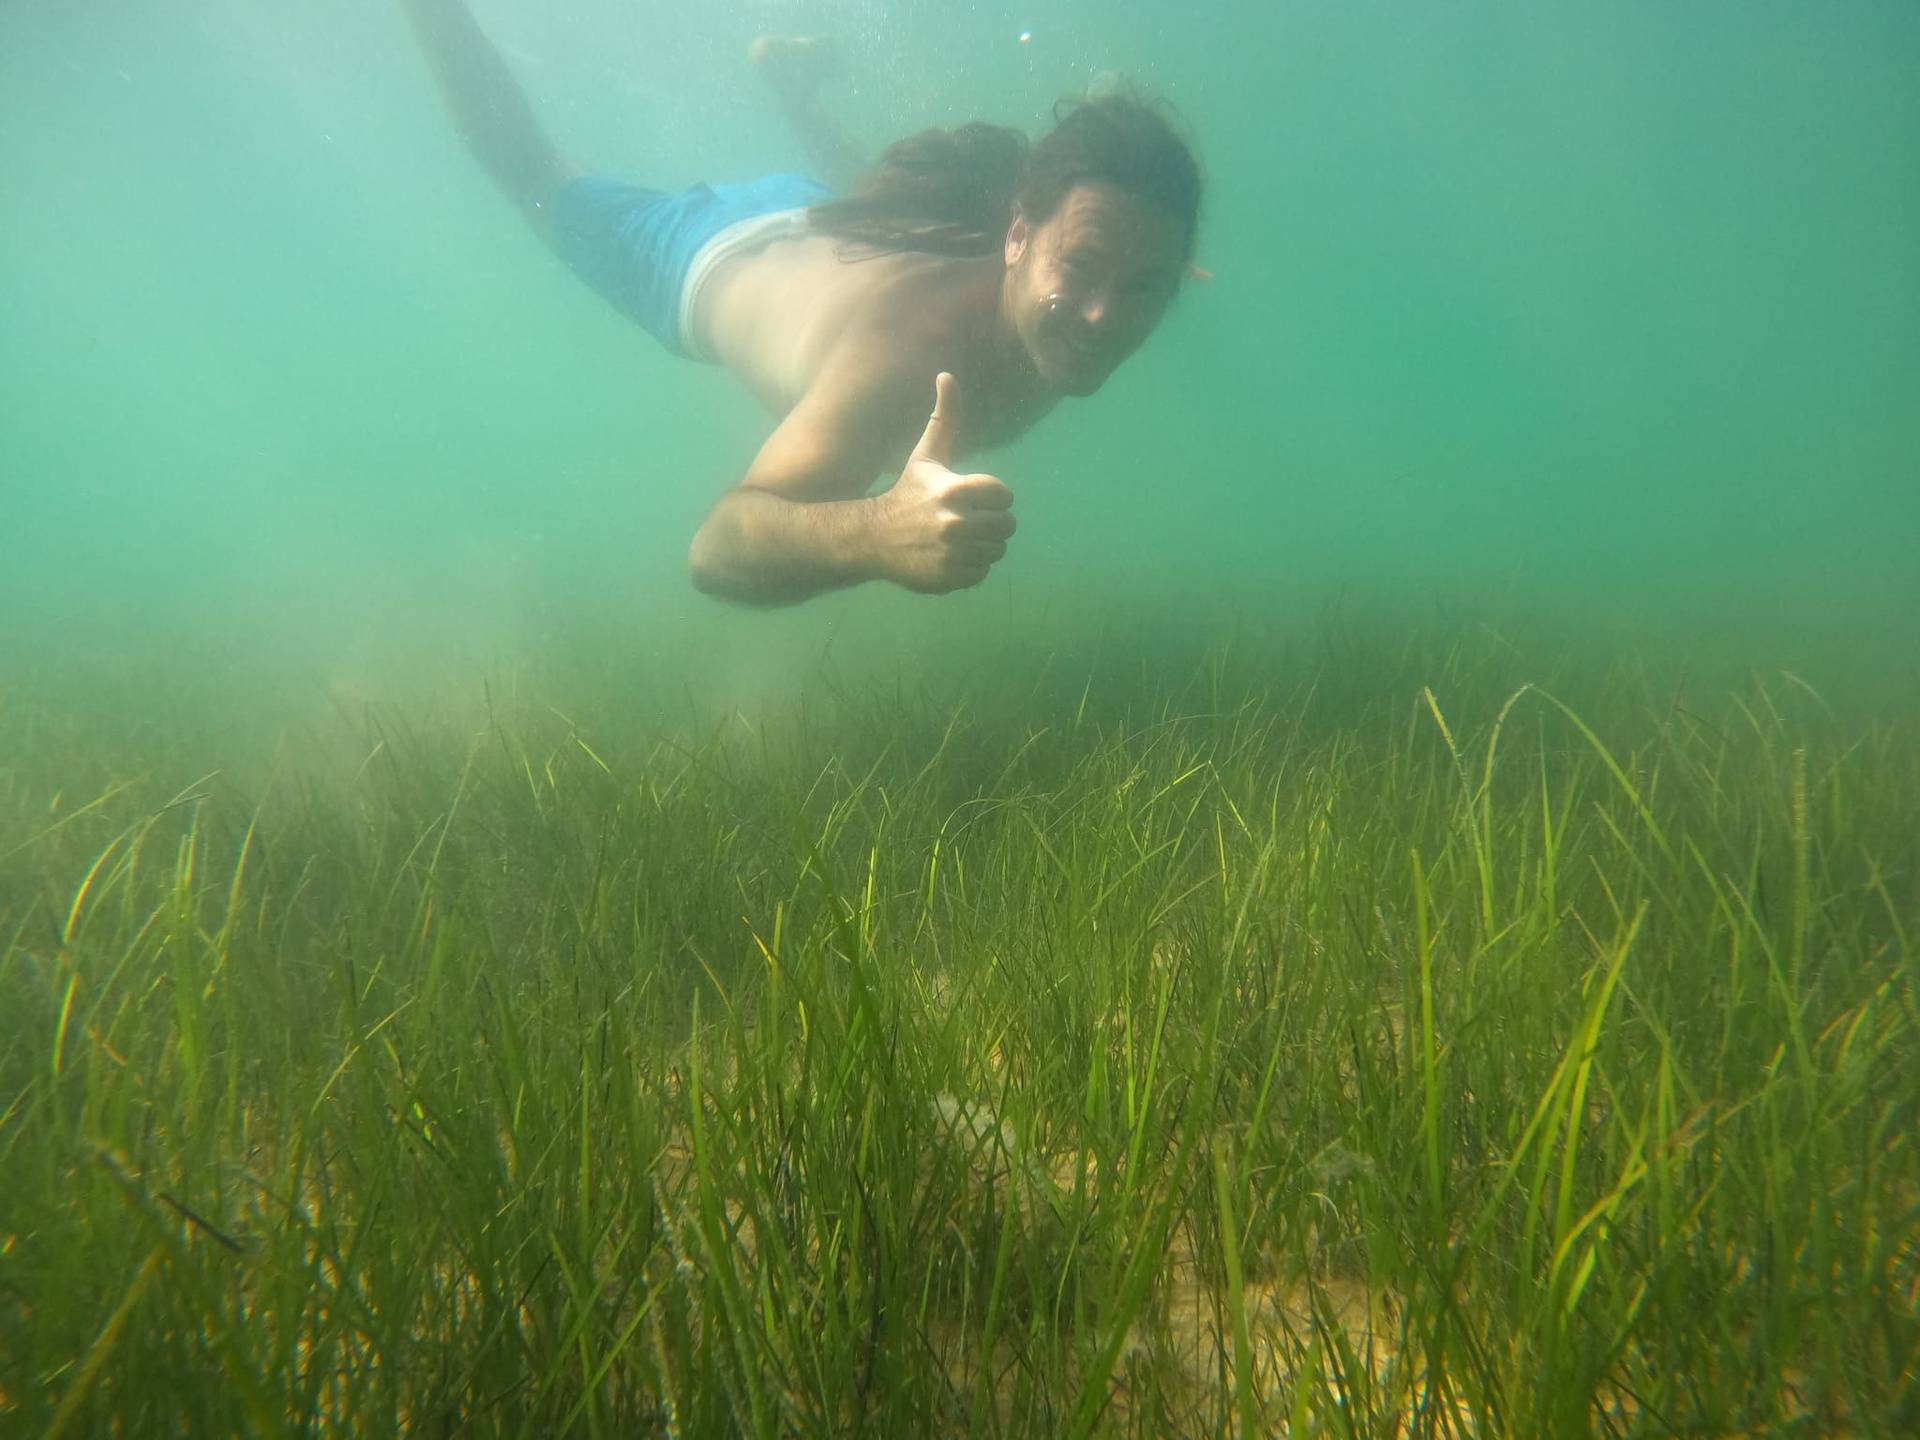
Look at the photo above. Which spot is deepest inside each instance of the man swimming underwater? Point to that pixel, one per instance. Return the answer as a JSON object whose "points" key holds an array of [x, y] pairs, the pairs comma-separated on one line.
{"points": [[1006, 276]]}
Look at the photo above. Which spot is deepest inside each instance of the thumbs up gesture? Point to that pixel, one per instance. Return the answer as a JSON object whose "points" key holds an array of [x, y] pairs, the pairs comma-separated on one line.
{"points": [[939, 530]]}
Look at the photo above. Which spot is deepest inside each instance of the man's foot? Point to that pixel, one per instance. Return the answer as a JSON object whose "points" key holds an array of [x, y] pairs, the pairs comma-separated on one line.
{"points": [[796, 62]]}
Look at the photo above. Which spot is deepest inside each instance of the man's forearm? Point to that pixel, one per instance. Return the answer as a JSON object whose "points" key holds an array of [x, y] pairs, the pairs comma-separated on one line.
{"points": [[759, 548], [488, 107]]}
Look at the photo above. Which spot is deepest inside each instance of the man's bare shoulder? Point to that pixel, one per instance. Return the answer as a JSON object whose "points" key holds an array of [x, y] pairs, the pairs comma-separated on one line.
{"points": [[874, 388], [924, 304], [869, 395], [927, 316]]}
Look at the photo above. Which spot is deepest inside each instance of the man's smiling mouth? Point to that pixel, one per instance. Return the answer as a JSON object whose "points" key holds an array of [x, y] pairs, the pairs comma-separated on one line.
{"points": [[1083, 350]]}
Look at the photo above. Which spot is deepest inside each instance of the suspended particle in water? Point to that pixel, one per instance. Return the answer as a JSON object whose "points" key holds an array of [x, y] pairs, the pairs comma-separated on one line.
{"points": [[1026, 37]]}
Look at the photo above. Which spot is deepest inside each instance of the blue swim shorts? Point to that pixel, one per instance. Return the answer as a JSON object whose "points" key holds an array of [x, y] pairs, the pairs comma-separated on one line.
{"points": [[635, 246]]}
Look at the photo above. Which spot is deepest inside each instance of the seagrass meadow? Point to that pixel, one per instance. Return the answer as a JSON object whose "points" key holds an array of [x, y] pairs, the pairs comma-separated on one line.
{"points": [[1284, 1048], [1392, 911]]}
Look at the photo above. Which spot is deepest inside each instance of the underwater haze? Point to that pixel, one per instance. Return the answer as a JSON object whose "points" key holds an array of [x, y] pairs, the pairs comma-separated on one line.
{"points": [[1609, 311], [1393, 911]]}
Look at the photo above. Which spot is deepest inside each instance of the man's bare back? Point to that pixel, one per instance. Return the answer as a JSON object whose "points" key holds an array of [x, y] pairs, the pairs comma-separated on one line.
{"points": [[847, 344]]}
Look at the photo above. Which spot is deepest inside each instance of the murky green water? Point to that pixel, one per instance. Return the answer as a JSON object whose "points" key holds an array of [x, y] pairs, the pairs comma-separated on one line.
{"points": [[1609, 320], [1356, 880]]}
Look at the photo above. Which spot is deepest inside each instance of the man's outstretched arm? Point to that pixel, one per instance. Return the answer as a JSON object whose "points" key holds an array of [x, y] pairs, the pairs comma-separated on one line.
{"points": [[488, 107], [801, 523], [759, 548]]}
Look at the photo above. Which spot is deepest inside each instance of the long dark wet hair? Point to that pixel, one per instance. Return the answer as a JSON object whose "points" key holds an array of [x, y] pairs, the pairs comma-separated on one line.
{"points": [[954, 192]]}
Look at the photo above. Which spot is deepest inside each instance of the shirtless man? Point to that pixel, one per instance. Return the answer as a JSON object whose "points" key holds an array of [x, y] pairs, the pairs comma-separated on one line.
{"points": [[1003, 276]]}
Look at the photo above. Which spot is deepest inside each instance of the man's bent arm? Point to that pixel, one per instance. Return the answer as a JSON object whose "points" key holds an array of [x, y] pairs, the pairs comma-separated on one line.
{"points": [[488, 107], [801, 522], [758, 547]]}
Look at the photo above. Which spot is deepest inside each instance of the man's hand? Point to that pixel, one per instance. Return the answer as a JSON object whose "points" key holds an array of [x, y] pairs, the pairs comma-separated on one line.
{"points": [[936, 530]]}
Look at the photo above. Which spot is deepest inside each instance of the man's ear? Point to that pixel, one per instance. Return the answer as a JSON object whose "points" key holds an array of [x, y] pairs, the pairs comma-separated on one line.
{"points": [[1017, 236]]}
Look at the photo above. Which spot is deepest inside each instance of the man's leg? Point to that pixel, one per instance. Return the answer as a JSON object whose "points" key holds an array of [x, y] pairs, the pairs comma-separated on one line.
{"points": [[633, 245], [796, 68], [489, 109], [620, 239]]}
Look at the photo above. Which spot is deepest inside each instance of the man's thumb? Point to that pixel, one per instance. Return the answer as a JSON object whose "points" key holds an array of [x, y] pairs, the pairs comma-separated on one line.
{"points": [[936, 441]]}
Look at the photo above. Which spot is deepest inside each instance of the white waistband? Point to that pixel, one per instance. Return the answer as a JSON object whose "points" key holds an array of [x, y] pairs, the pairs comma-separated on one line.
{"points": [[742, 235]]}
